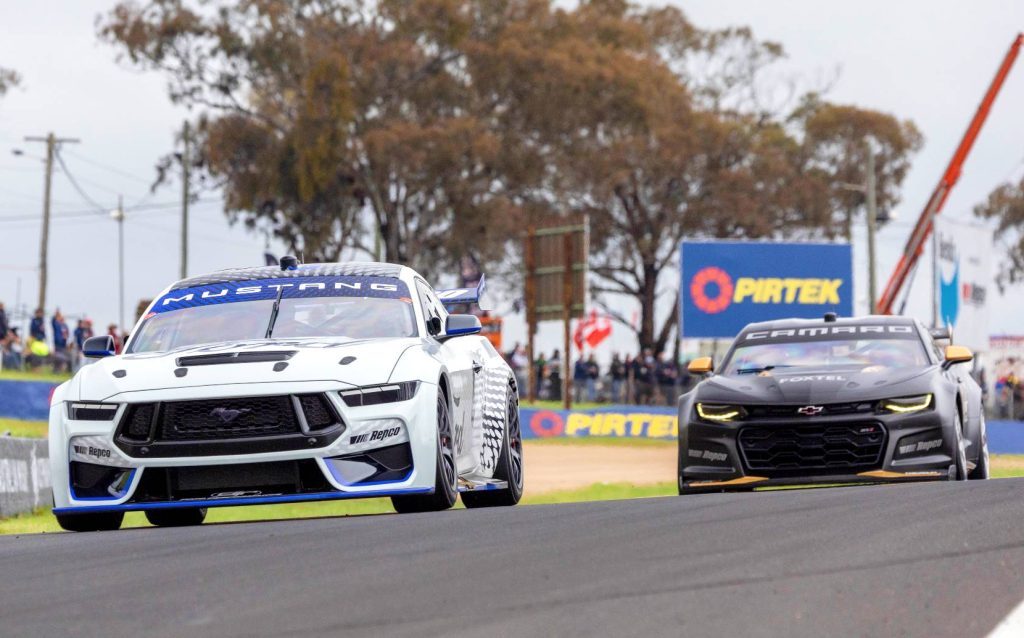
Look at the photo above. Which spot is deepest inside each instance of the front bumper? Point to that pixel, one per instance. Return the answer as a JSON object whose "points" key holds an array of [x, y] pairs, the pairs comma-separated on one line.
{"points": [[913, 447], [392, 441]]}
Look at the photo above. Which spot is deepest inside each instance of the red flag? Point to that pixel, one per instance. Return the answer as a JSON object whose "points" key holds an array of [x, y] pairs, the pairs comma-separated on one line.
{"points": [[592, 330]]}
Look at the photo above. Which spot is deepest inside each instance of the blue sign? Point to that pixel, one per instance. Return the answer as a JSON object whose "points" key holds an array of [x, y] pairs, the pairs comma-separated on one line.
{"points": [[727, 284]]}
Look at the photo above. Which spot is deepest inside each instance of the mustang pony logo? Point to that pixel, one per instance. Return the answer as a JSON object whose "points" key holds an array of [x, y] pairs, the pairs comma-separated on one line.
{"points": [[811, 410], [227, 415]]}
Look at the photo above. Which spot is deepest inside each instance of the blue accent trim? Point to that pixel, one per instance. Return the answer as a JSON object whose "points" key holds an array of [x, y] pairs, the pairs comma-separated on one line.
{"points": [[98, 354], [333, 471], [229, 502], [120, 495]]}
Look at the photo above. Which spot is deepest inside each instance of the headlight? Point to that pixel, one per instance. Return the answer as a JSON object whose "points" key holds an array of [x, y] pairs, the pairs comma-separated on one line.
{"points": [[377, 394], [92, 411], [720, 413], [905, 405]]}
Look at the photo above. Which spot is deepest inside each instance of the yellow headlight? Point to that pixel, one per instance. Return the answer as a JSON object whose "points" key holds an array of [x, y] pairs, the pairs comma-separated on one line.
{"points": [[908, 404], [718, 412]]}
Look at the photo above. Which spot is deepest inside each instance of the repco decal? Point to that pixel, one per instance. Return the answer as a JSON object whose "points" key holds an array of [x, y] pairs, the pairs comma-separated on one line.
{"points": [[88, 450], [376, 435]]}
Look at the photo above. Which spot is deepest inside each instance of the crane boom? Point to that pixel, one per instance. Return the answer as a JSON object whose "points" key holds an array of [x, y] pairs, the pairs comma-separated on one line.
{"points": [[923, 228]]}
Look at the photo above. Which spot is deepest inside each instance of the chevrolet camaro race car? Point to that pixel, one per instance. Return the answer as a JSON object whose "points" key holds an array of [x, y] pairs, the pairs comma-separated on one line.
{"points": [[832, 401], [282, 384]]}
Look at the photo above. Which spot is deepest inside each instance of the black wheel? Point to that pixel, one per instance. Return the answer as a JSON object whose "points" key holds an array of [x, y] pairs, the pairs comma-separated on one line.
{"points": [[178, 517], [958, 470], [981, 469], [446, 474], [510, 463], [98, 522]]}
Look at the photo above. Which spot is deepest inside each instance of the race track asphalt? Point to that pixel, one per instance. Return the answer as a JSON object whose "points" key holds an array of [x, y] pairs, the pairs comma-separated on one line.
{"points": [[906, 560]]}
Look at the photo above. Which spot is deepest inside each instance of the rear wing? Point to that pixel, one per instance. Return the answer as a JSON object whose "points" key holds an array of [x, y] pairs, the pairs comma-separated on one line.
{"points": [[456, 296]]}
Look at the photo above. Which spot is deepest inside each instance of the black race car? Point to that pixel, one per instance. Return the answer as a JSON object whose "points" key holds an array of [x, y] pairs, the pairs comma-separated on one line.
{"points": [[832, 401]]}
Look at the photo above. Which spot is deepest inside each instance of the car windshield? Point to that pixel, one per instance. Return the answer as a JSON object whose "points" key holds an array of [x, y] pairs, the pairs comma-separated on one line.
{"points": [[337, 313], [855, 353]]}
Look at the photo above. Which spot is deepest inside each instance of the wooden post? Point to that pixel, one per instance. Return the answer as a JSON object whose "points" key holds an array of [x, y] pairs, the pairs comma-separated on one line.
{"points": [[567, 296], [530, 293]]}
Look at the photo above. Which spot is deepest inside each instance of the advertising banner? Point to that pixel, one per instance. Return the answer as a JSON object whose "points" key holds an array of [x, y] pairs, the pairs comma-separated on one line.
{"points": [[617, 421], [964, 280], [727, 284]]}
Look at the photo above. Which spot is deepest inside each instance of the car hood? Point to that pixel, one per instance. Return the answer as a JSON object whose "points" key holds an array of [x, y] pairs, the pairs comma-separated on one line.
{"points": [[366, 362], [817, 386]]}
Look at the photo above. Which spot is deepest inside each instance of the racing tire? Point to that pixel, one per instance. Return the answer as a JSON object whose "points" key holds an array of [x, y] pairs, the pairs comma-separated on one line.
{"points": [[446, 475], [97, 522], [510, 463], [981, 469], [958, 470], [184, 517]]}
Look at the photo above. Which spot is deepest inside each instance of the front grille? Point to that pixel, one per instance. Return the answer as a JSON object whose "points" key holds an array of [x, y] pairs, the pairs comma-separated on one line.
{"points": [[792, 411], [780, 450], [226, 419], [243, 425]]}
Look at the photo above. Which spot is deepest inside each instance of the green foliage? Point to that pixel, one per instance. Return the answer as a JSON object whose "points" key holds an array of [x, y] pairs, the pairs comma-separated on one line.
{"points": [[422, 130], [1005, 205], [24, 429]]}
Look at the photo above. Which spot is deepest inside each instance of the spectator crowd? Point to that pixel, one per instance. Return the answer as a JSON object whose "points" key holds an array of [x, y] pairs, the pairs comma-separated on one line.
{"points": [[644, 379], [50, 344]]}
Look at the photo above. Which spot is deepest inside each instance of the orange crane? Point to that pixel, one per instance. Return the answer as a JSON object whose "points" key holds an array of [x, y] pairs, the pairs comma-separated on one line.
{"points": [[923, 229]]}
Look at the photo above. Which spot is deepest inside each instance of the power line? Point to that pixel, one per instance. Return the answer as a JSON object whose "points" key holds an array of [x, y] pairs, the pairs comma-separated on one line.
{"points": [[77, 187], [155, 207], [112, 169]]}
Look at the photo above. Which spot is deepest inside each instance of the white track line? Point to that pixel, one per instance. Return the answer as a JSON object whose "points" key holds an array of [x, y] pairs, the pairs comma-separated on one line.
{"points": [[1012, 626]]}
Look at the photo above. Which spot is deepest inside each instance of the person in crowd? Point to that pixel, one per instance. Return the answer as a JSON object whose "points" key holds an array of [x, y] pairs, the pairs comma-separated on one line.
{"points": [[579, 379], [555, 376], [113, 333], [83, 332], [593, 372], [617, 371], [37, 328], [541, 368], [666, 374], [643, 375], [5, 325], [37, 354], [13, 350], [61, 349], [520, 364]]}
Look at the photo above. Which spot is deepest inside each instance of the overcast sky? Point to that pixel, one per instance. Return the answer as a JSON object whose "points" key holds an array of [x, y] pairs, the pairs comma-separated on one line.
{"points": [[927, 60]]}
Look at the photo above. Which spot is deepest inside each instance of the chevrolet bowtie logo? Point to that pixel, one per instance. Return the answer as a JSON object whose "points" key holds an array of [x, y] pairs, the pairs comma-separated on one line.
{"points": [[811, 410], [227, 415]]}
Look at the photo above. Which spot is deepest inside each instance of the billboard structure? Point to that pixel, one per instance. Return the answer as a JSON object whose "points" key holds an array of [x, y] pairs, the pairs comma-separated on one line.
{"points": [[727, 284], [963, 273]]}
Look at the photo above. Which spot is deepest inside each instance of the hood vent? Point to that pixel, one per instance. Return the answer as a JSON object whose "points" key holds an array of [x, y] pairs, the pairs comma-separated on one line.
{"points": [[234, 357]]}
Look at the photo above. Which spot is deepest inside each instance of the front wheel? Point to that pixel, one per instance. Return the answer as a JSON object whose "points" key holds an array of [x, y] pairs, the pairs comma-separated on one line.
{"points": [[981, 469], [510, 463], [96, 522], [445, 476], [958, 470], [183, 517]]}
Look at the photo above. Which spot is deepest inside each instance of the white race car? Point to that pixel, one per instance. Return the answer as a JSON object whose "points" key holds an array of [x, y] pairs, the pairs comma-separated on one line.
{"points": [[282, 384]]}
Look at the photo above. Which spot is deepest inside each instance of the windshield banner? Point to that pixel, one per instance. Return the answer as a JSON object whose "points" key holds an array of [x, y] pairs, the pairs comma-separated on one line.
{"points": [[727, 284], [292, 287]]}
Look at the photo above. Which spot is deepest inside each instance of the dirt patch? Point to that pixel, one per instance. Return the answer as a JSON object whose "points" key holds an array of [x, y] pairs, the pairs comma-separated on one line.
{"points": [[552, 468]]}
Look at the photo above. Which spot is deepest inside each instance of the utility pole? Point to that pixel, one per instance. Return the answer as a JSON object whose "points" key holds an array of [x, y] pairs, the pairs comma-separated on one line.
{"points": [[184, 200], [118, 216], [872, 202], [52, 142]]}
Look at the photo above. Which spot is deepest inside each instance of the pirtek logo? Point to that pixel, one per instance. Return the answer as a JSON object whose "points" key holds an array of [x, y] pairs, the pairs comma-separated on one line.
{"points": [[713, 290], [811, 410], [255, 290]]}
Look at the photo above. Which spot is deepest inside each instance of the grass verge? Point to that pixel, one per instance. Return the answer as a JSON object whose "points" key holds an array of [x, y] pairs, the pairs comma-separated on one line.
{"points": [[20, 375], [24, 429]]}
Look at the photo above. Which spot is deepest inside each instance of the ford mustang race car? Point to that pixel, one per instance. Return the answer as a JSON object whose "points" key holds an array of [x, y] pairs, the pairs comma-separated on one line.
{"points": [[282, 384], [832, 401]]}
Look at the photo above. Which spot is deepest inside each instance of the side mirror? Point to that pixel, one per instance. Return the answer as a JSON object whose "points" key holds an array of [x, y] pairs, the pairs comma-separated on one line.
{"points": [[459, 325], [957, 354], [701, 365], [99, 347], [434, 326]]}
